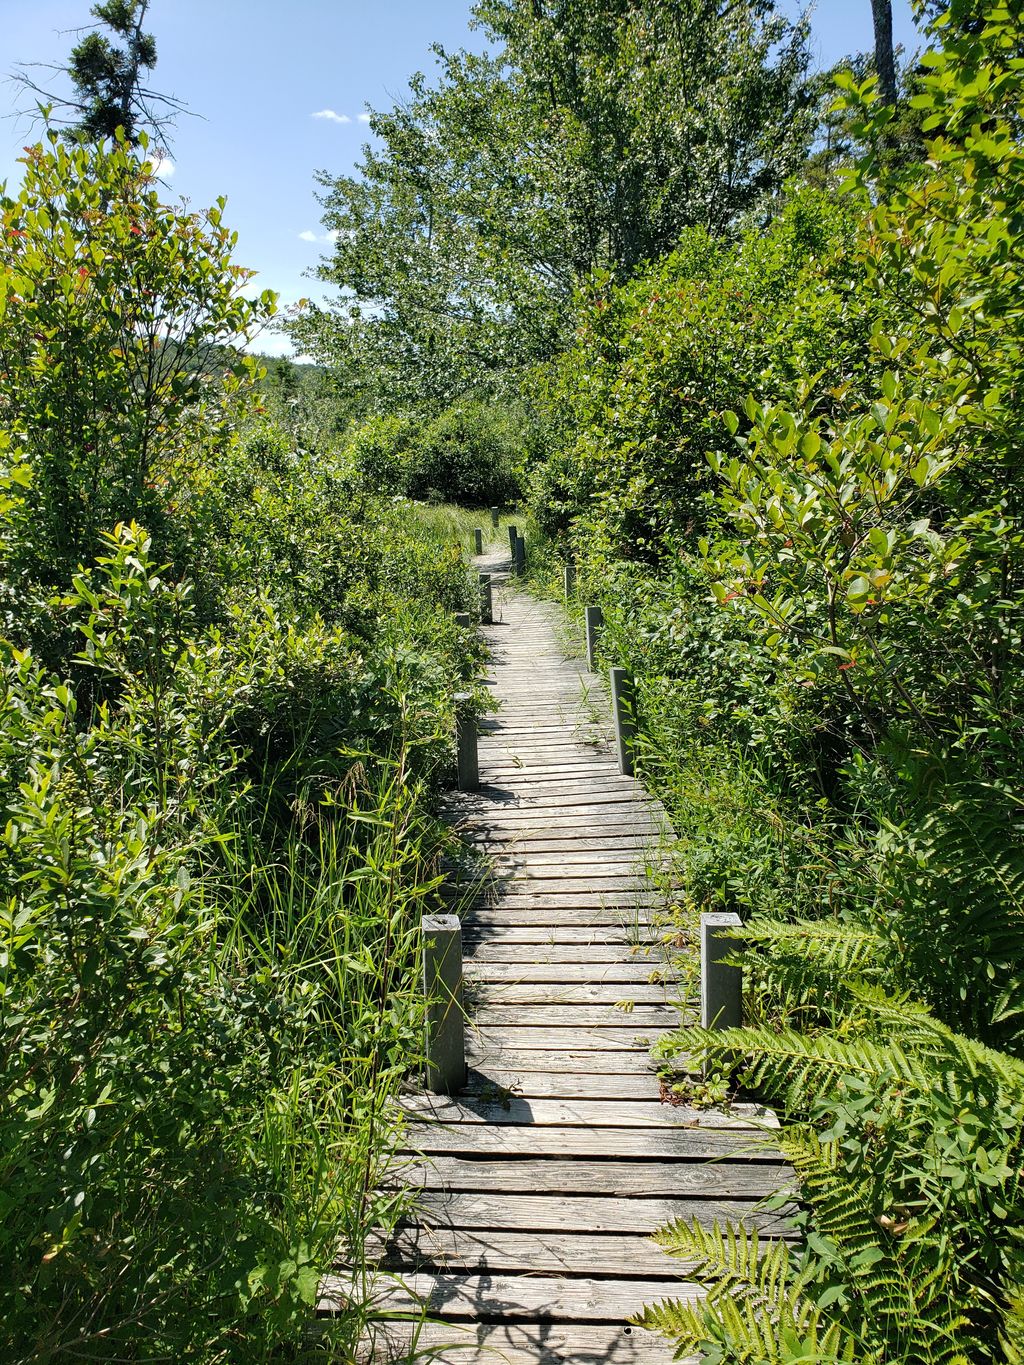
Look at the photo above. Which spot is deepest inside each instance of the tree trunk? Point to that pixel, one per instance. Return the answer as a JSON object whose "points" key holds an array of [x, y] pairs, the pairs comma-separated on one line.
{"points": [[885, 64]]}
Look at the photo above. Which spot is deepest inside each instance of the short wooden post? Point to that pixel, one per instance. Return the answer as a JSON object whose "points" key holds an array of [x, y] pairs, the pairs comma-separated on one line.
{"points": [[478, 541], [623, 713], [519, 556], [570, 579], [495, 516], [513, 536], [465, 743], [593, 618], [442, 988], [486, 600], [461, 618], [721, 986]]}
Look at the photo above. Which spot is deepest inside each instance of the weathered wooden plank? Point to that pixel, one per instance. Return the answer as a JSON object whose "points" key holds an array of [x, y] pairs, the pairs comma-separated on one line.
{"points": [[573, 873], [595, 1113], [483, 1041], [483, 971], [584, 962], [522, 1343], [596, 800], [537, 896], [554, 936], [545, 766], [477, 1249], [548, 881], [642, 1084], [570, 1212], [625, 1180], [529, 842], [575, 860], [561, 1065], [618, 994], [633, 817], [559, 912], [490, 1296], [528, 1343], [650, 1017], [633, 1144]]}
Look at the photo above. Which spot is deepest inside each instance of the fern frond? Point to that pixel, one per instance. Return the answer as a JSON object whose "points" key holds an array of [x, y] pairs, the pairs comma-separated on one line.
{"points": [[754, 1307], [846, 949], [802, 1069]]}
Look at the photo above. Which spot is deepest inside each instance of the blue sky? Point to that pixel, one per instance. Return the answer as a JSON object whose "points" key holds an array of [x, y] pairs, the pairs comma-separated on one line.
{"points": [[259, 71]]}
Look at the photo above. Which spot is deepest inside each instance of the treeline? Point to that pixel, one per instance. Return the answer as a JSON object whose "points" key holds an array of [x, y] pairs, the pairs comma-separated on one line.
{"points": [[225, 703], [777, 406]]}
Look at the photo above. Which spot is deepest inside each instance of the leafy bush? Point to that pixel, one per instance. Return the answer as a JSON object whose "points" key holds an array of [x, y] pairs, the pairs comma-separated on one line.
{"points": [[215, 784], [635, 405], [114, 314], [789, 473], [470, 454], [379, 451]]}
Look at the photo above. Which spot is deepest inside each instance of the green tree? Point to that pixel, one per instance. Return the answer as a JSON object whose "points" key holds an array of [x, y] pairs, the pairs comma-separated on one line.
{"points": [[108, 72], [586, 142], [118, 316]]}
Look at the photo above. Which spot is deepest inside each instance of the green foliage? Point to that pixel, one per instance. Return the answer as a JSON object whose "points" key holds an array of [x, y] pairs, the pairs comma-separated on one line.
{"points": [[755, 1310], [380, 453], [471, 454], [906, 1139], [108, 79], [636, 403], [588, 143], [114, 310], [789, 471], [215, 785]]}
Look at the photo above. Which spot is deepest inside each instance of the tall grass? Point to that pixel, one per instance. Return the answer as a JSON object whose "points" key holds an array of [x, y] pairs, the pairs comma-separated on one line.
{"points": [[335, 917]]}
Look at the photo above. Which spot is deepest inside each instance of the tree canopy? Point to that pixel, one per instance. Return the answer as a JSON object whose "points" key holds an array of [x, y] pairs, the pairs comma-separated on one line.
{"points": [[580, 143]]}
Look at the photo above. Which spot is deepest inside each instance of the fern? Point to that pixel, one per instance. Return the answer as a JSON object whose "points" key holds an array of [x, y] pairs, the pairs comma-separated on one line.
{"points": [[754, 1308], [908, 1141], [952, 910]]}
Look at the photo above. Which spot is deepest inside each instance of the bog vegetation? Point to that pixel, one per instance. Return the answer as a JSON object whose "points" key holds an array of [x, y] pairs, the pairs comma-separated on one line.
{"points": [[749, 347]]}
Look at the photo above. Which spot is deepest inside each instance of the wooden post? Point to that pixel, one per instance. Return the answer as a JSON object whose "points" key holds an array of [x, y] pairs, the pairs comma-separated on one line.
{"points": [[570, 579], [461, 618], [519, 556], [478, 541], [593, 619], [513, 536], [442, 988], [623, 713], [721, 986], [465, 744], [486, 600], [495, 516]]}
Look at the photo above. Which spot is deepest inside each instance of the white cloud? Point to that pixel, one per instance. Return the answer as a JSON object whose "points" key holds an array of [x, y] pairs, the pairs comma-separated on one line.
{"points": [[331, 116], [364, 118], [328, 238], [163, 167]]}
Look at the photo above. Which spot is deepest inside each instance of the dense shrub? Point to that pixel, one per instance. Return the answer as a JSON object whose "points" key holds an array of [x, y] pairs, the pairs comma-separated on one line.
{"points": [[793, 484], [379, 453], [636, 404], [471, 454], [218, 741]]}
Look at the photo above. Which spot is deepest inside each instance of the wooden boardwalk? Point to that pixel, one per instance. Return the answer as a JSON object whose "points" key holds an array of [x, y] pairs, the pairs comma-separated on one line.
{"points": [[542, 1181]]}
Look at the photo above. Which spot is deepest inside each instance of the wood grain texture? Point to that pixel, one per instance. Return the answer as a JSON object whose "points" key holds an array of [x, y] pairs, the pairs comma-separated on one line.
{"points": [[621, 1179], [561, 1299], [522, 1343]]}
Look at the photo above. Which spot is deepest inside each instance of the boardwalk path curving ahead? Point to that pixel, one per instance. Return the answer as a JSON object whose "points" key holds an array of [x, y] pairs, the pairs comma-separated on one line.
{"points": [[543, 1180]]}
